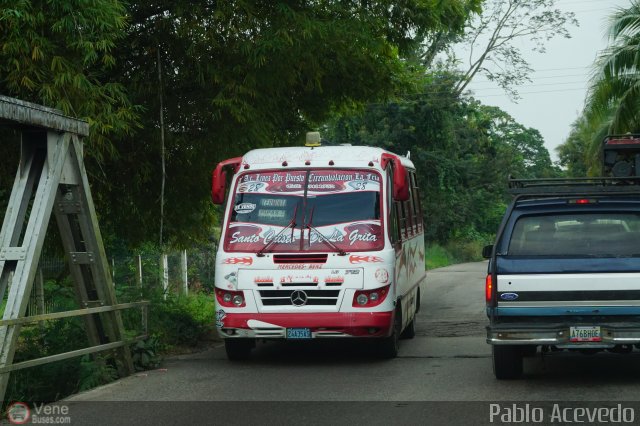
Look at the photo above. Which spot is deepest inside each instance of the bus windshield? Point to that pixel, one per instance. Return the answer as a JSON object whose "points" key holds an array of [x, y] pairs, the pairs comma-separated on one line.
{"points": [[315, 210]]}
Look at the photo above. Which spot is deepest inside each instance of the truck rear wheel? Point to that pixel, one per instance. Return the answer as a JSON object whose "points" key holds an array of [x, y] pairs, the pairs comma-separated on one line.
{"points": [[529, 350], [507, 362], [238, 349]]}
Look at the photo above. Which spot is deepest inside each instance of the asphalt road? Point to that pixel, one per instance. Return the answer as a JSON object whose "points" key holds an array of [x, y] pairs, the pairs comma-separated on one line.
{"points": [[448, 360]]}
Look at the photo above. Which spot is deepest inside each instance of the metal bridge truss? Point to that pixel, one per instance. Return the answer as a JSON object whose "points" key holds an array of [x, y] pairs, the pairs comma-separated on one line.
{"points": [[51, 178]]}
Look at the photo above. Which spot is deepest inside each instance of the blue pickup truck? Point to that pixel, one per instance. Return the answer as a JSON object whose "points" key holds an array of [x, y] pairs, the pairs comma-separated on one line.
{"points": [[564, 272]]}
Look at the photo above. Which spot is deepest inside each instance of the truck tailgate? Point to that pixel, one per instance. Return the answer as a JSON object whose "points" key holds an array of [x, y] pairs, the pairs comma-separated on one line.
{"points": [[590, 290]]}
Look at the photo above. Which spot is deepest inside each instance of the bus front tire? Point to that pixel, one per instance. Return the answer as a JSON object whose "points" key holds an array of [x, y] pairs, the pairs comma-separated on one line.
{"points": [[410, 331], [389, 346], [238, 349], [507, 362]]}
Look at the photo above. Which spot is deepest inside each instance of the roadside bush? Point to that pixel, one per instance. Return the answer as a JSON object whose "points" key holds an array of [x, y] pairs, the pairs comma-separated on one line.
{"points": [[465, 251], [437, 256], [181, 320], [177, 321], [455, 251]]}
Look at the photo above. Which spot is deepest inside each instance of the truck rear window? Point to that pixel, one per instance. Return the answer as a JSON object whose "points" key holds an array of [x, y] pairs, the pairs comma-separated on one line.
{"points": [[592, 234]]}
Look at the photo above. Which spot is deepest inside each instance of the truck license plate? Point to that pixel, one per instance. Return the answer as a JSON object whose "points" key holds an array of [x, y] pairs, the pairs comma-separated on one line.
{"points": [[585, 334], [298, 333]]}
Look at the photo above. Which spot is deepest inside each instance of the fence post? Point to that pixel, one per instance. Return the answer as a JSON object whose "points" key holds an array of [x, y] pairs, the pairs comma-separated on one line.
{"points": [[183, 270], [164, 267], [139, 270], [40, 297]]}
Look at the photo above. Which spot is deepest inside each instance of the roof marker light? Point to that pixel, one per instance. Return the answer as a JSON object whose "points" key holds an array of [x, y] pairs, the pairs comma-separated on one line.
{"points": [[313, 139], [331, 163]]}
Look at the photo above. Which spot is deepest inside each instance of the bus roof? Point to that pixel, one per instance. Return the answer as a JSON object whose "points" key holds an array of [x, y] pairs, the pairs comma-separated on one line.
{"points": [[341, 155]]}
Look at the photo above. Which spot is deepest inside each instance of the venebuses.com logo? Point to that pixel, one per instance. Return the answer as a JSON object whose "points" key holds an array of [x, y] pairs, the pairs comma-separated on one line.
{"points": [[18, 413]]}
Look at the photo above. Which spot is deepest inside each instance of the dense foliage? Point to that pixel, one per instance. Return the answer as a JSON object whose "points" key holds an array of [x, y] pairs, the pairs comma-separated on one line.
{"points": [[59, 54], [236, 75], [492, 40], [464, 153], [218, 78], [612, 102]]}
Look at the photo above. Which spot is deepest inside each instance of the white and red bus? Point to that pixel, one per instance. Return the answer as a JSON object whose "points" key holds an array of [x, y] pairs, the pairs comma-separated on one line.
{"points": [[317, 242]]}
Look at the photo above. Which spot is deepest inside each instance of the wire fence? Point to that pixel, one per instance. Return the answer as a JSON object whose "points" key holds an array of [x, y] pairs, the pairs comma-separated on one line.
{"points": [[132, 274]]}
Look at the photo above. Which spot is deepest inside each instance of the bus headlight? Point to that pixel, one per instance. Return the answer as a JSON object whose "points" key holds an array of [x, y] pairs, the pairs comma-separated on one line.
{"points": [[362, 299], [230, 298], [370, 298]]}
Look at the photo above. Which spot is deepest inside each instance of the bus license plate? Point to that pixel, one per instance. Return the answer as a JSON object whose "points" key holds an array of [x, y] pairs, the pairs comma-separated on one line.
{"points": [[298, 333], [585, 334]]}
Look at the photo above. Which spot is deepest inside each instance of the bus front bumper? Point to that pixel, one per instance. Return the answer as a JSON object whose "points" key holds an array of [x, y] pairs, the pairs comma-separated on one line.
{"points": [[317, 325]]}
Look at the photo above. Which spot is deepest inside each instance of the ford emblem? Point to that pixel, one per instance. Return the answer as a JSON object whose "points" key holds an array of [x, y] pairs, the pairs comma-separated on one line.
{"points": [[509, 296]]}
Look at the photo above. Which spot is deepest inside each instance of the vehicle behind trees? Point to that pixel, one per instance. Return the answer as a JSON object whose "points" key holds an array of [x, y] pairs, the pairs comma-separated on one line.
{"points": [[318, 242]]}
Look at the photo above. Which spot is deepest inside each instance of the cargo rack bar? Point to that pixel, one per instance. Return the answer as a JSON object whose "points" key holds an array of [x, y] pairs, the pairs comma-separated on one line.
{"points": [[574, 186]]}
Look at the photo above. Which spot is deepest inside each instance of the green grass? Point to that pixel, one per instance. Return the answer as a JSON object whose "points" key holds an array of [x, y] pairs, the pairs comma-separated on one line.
{"points": [[437, 256], [453, 252]]}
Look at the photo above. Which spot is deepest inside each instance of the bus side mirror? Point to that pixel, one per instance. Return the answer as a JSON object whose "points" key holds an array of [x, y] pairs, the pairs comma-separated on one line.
{"points": [[400, 182], [218, 184], [219, 179], [486, 251]]}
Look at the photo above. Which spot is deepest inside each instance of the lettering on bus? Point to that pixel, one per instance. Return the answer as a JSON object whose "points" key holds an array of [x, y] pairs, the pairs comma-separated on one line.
{"points": [[300, 266], [360, 236], [342, 208], [274, 177], [367, 237], [319, 181]]}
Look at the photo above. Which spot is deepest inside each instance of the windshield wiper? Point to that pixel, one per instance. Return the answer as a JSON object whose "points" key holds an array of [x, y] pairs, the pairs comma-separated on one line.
{"points": [[322, 237], [292, 225]]}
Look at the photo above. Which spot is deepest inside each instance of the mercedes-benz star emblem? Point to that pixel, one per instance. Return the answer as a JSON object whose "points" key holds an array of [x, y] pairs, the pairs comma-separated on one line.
{"points": [[299, 298]]}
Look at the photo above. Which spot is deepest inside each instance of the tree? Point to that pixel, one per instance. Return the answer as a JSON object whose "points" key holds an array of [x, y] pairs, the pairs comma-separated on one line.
{"points": [[613, 99], [529, 157], [463, 152], [58, 54], [491, 40], [573, 152], [240, 75]]}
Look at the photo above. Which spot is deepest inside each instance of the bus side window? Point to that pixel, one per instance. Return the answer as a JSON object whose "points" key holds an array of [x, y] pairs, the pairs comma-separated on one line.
{"points": [[402, 220], [394, 228], [408, 211], [417, 207]]}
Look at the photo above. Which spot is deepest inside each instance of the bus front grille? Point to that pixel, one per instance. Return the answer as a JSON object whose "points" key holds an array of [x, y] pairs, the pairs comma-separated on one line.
{"points": [[304, 297]]}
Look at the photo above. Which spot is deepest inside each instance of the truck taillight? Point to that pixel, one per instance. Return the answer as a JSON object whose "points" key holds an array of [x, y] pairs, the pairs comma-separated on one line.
{"points": [[488, 287], [230, 299], [370, 298], [582, 201]]}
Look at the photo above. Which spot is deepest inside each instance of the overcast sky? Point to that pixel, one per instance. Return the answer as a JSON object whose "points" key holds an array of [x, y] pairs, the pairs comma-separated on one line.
{"points": [[555, 97]]}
